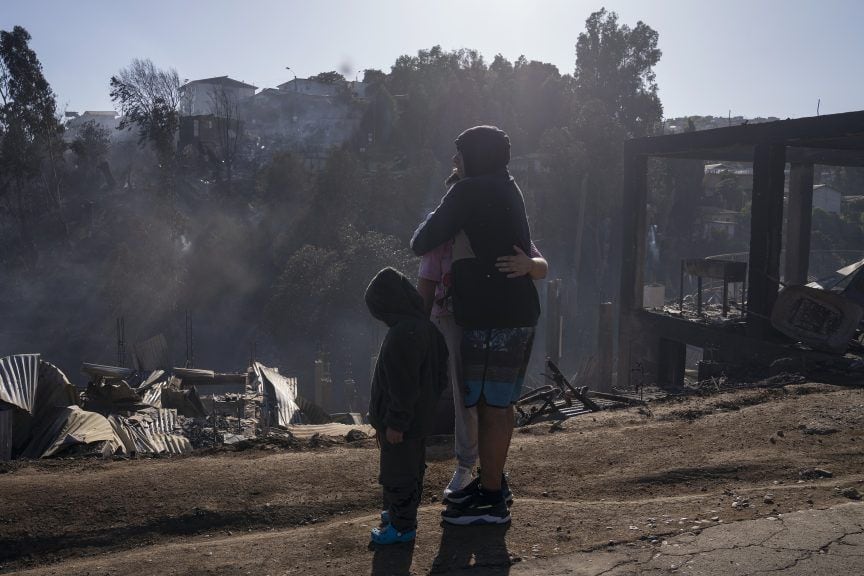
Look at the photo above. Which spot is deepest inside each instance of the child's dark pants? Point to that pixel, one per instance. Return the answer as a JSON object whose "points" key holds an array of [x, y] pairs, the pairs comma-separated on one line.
{"points": [[401, 476]]}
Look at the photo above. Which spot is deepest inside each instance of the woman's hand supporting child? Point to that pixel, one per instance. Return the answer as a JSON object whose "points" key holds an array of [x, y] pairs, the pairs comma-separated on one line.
{"points": [[393, 436]]}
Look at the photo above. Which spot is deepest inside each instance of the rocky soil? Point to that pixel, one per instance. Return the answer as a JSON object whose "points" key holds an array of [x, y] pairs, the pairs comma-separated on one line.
{"points": [[628, 477]]}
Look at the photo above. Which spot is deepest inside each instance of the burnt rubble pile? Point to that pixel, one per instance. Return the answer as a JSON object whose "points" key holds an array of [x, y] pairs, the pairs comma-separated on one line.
{"points": [[818, 328], [124, 412], [559, 399]]}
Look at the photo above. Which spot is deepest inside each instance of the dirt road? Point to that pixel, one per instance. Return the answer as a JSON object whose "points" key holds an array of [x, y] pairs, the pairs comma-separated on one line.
{"points": [[633, 476]]}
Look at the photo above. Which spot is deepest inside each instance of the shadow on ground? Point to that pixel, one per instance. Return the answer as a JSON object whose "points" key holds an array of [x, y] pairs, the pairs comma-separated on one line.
{"points": [[393, 559], [482, 550]]}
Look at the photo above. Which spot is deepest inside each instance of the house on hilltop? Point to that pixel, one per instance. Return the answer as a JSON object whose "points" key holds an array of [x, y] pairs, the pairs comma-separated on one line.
{"points": [[310, 87], [827, 198], [109, 120], [210, 111], [308, 116], [200, 97]]}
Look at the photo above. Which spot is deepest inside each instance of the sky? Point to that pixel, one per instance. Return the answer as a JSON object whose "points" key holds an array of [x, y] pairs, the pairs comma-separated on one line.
{"points": [[748, 57]]}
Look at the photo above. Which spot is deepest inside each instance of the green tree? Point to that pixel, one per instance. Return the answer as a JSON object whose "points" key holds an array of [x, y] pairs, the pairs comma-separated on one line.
{"points": [[539, 98], [30, 142], [615, 65], [331, 77], [90, 145], [374, 76], [611, 96], [441, 93]]}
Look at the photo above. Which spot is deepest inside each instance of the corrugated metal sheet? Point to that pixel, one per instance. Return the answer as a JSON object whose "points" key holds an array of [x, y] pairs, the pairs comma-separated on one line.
{"points": [[312, 413], [70, 426], [153, 395], [351, 418], [53, 390], [106, 371], [193, 373], [280, 393], [153, 431], [167, 395], [5, 434], [306, 431], [19, 376], [154, 377], [151, 354]]}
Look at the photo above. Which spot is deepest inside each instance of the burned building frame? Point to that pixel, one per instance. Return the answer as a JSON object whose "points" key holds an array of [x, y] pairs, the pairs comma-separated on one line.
{"points": [[654, 344]]}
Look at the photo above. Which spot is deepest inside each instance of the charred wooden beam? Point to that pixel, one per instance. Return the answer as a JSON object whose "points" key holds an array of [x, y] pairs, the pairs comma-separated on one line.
{"points": [[553, 320], [605, 346], [578, 393], [832, 131], [769, 162], [617, 398], [798, 224], [634, 222], [672, 357]]}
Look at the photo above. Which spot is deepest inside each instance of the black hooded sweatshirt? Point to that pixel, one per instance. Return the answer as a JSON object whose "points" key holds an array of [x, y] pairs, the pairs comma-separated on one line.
{"points": [[488, 205], [411, 371]]}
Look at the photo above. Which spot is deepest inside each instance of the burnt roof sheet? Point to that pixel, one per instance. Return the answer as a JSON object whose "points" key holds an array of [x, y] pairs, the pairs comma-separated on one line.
{"points": [[19, 376]]}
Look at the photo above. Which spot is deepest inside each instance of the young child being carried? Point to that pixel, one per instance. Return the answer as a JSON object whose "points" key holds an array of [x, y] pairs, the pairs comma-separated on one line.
{"points": [[409, 376]]}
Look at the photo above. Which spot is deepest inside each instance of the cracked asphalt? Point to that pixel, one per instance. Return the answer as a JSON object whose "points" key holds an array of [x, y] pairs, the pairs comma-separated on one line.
{"points": [[804, 543]]}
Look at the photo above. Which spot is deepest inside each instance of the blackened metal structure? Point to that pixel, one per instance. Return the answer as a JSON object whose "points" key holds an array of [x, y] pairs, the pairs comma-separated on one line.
{"points": [[657, 342]]}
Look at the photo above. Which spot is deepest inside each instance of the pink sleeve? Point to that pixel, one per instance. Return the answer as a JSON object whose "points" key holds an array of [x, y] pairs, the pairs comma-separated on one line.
{"points": [[535, 252], [430, 265]]}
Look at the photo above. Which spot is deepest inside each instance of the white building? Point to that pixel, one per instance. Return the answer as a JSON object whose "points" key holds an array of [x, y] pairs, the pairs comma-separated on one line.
{"points": [[107, 119], [716, 221], [309, 87], [198, 96], [827, 198]]}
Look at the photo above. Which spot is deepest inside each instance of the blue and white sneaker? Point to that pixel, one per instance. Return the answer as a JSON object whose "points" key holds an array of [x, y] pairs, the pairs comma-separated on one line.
{"points": [[389, 535]]}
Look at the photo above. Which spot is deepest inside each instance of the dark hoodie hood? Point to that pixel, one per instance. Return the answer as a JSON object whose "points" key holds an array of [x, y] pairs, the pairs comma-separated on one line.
{"points": [[485, 150], [391, 296]]}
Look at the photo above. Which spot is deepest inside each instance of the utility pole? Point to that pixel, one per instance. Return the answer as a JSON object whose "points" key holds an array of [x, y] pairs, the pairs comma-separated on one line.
{"points": [[190, 343]]}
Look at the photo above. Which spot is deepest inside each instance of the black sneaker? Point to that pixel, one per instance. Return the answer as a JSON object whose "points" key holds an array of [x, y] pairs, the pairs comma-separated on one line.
{"points": [[476, 511], [462, 496], [505, 490]]}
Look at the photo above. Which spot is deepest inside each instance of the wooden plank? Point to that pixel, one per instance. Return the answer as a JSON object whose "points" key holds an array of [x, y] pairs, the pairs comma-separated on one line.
{"points": [[798, 223], [766, 225]]}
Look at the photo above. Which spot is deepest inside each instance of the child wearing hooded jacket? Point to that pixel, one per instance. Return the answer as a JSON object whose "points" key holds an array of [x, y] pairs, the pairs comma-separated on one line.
{"points": [[410, 374]]}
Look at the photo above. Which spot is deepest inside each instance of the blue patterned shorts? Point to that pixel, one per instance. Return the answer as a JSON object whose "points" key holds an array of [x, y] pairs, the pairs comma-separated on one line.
{"points": [[494, 361]]}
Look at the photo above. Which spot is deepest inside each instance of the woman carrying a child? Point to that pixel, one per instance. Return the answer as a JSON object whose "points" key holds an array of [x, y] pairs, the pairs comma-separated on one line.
{"points": [[494, 303]]}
